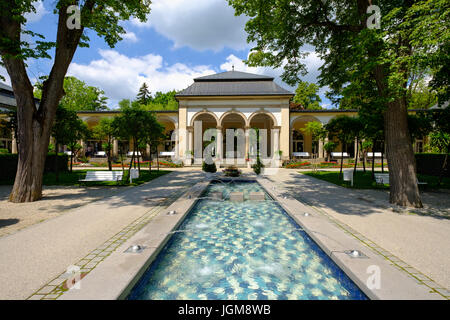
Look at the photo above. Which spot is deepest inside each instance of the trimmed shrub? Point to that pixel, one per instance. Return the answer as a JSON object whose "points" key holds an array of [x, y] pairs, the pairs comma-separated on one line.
{"points": [[258, 166], [431, 164], [8, 164], [209, 167], [4, 150]]}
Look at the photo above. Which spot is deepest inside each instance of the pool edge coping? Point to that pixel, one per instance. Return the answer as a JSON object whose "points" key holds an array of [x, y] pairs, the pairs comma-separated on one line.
{"points": [[94, 283], [400, 286]]}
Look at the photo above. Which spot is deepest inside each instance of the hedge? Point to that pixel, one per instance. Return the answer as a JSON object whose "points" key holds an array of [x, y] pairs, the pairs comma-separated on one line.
{"points": [[8, 164], [431, 164]]}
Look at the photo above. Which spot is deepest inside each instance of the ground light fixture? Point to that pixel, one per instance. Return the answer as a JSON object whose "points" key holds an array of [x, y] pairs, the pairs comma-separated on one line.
{"points": [[171, 213], [306, 214], [353, 253], [135, 248]]}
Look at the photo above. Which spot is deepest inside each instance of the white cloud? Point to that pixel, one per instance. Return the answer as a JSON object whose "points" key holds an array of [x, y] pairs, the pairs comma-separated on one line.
{"points": [[130, 37], [40, 12], [121, 76], [200, 24]]}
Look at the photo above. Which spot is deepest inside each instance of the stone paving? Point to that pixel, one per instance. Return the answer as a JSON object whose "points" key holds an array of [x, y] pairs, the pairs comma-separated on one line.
{"points": [[365, 215], [33, 261], [409, 242]]}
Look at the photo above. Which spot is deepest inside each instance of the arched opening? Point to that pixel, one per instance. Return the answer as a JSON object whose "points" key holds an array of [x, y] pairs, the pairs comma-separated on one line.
{"points": [[298, 141], [266, 122], [302, 141], [233, 136], [167, 145], [204, 121]]}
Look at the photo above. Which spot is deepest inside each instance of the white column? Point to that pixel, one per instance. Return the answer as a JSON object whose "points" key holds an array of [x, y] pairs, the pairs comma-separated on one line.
{"points": [[276, 146], [13, 142], [219, 143], [115, 148]]}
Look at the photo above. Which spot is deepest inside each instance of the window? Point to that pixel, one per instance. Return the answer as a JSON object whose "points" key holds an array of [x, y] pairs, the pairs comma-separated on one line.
{"points": [[298, 141]]}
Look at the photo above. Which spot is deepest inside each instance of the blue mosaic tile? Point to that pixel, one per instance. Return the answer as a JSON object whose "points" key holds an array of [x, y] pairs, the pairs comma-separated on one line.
{"points": [[248, 250]]}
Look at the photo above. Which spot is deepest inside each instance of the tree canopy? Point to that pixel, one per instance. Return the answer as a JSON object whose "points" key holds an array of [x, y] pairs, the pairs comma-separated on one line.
{"points": [[78, 95], [307, 95], [103, 17]]}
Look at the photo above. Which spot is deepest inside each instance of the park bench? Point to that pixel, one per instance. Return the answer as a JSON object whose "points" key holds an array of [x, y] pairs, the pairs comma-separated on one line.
{"points": [[130, 154], [301, 154], [377, 155], [338, 155], [100, 154], [167, 154], [97, 176], [383, 178]]}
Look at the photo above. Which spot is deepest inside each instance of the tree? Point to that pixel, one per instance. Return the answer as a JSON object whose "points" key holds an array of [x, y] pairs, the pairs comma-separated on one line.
{"points": [[136, 124], [317, 132], [162, 101], [306, 94], [61, 130], [356, 129], [144, 96], [106, 131], [329, 148], [440, 135], [407, 37], [339, 127], [67, 130], [78, 95], [34, 124]]}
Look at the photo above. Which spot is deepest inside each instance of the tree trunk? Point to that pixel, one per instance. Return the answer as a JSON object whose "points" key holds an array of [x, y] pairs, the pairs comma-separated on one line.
{"points": [[109, 156], [56, 162], [342, 161], [357, 156], [404, 190], [71, 158], [373, 160], [34, 124], [157, 157], [444, 166], [364, 156]]}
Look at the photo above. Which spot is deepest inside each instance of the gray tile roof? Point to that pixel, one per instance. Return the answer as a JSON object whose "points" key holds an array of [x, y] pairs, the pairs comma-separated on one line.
{"points": [[7, 100], [234, 76], [234, 83]]}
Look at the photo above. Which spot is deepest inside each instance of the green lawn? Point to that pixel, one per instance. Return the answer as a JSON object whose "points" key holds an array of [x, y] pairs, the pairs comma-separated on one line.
{"points": [[364, 180], [72, 178]]}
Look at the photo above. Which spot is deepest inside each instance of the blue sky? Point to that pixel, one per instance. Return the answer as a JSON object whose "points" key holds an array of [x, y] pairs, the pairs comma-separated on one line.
{"points": [[181, 40]]}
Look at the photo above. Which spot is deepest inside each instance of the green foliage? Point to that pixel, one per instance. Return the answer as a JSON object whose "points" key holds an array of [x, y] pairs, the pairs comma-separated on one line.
{"points": [[419, 125], [102, 17], [431, 164], [339, 127], [307, 95], [209, 167], [330, 146], [144, 96], [8, 163], [78, 95], [421, 95], [67, 128], [258, 166], [232, 171], [4, 150]]}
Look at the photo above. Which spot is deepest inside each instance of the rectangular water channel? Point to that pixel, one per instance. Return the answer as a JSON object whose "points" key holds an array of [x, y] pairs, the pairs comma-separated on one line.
{"points": [[240, 251]]}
